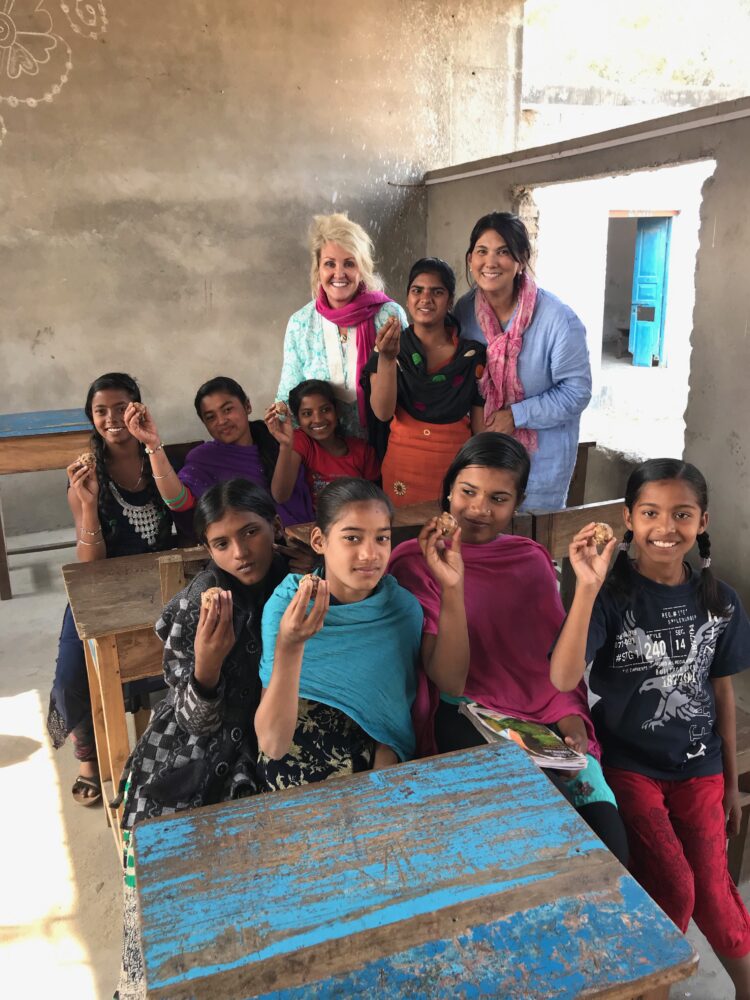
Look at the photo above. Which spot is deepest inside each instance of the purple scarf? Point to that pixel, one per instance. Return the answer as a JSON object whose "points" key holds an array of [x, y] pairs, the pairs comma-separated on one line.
{"points": [[360, 312]]}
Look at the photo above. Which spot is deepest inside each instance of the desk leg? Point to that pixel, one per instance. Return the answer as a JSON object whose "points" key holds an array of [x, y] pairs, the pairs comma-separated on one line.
{"points": [[113, 710], [5, 591], [100, 732]]}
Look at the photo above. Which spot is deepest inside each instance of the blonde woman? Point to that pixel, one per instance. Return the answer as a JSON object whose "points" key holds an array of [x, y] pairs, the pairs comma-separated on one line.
{"points": [[332, 337]]}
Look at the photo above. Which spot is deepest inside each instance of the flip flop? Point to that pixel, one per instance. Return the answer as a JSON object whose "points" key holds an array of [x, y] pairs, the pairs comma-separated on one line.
{"points": [[82, 789]]}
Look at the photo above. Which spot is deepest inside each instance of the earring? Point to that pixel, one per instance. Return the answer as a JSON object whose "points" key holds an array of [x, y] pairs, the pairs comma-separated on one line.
{"points": [[450, 497]]}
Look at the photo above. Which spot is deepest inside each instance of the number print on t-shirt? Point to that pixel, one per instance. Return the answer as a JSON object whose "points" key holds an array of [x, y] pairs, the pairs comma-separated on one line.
{"points": [[678, 659]]}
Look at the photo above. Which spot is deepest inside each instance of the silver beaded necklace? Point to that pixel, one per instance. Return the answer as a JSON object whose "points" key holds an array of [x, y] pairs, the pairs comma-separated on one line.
{"points": [[144, 519]]}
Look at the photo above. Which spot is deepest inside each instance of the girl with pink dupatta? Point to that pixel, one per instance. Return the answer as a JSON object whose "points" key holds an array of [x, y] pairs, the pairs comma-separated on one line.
{"points": [[537, 379], [332, 337]]}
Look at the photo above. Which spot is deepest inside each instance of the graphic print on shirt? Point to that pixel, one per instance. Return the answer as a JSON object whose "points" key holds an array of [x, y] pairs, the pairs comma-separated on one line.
{"points": [[678, 658]]}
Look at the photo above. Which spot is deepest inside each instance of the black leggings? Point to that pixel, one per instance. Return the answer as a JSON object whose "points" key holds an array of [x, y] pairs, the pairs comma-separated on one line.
{"points": [[454, 731]]}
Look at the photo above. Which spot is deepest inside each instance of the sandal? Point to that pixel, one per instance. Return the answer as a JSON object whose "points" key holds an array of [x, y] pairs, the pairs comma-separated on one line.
{"points": [[87, 791]]}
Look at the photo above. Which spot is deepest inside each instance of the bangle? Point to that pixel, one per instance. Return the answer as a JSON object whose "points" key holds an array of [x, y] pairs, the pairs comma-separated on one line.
{"points": [[153, 451], [92, 544], [93, 534], [165, 476], [176, 501]]}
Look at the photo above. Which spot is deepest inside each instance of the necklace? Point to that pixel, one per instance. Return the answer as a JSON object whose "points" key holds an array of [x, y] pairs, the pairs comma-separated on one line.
{"points": [[145, 519], [131, 489]]}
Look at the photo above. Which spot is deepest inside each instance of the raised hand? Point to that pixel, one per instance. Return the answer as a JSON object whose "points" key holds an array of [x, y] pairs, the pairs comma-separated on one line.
{"points": [[214, 638], [443, 556], [83, 481], [589, 565], [141, 425], [282, 430], [388, 338], [297, 625]]}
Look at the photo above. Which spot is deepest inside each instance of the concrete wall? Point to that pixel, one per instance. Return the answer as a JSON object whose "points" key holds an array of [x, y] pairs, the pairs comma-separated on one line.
{"points": [[718, 410], [618, 287], [158, 172]]}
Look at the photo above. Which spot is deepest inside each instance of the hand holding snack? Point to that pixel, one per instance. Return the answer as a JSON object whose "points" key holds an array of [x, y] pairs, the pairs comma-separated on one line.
{"points": [[82, 479], [388, 338], [214, 637], [297, 623], [141, 425], [278, 422], [440, 541], [590, 565]]}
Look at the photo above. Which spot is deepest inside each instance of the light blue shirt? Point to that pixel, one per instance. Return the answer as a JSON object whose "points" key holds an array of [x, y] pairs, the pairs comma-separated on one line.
{"points": [[555, 372]]}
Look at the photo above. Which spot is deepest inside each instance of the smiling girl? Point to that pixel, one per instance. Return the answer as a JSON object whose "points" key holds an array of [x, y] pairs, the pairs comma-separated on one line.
{"points": [[512, 614], [340, 671], [117, 511], [319, 444], [663, 643]]}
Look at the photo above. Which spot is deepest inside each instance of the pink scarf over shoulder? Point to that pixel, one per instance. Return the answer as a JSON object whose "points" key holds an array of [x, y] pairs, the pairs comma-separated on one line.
{"points": [[500, 384], [360, 312]]}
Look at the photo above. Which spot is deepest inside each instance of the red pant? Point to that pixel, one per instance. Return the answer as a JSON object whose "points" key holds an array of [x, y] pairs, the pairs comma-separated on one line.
{"points": [[678, 852]]}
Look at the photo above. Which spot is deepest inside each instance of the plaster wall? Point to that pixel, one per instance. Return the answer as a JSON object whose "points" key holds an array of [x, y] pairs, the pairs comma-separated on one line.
{"points": [[718, 406], [159, 170]]}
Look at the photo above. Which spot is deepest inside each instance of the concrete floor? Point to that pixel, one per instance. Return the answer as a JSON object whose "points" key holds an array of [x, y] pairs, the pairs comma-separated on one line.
{"points": [[60, 903]]}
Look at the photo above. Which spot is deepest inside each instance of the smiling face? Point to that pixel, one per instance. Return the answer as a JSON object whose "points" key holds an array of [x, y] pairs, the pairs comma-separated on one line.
{"points": [[241, 543], [482, 500], [356, 549], [317, 417], [666, 519], [492, 266], [107, 410], [428, 301], [339, 274], [225, 418]]}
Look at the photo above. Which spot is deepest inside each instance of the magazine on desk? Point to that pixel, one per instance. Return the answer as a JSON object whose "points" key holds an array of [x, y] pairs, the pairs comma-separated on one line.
{"points": [[544, 746]]}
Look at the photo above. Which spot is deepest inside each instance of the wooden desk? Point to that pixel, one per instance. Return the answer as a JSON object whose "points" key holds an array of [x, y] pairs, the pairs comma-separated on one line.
{"points": [[115, 605], [36, 442], [455, 876]]}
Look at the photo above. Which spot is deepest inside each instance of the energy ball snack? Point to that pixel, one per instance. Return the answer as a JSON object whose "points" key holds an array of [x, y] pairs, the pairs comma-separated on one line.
{"points": [[315, 581], [602, 533], [87, 459], [446, 524], [209, 596], [140, 409], [282, 411]]}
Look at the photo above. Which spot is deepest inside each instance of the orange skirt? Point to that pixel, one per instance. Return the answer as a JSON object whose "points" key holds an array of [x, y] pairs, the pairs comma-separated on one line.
{"points": [[418, 457]]}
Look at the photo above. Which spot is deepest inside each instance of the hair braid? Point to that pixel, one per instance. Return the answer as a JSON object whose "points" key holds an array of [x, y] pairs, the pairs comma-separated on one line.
{"points": [[619, 581], [106, 502], [709, 585]]}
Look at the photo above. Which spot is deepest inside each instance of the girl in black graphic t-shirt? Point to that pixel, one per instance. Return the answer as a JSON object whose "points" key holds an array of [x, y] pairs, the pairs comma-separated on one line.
{"points": [[663, 643]]}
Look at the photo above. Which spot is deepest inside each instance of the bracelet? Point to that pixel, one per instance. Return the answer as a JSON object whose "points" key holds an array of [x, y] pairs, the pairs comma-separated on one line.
{"points": [[153, 451], [92, 544], [93, 534], [176, 501], [165, 476]]}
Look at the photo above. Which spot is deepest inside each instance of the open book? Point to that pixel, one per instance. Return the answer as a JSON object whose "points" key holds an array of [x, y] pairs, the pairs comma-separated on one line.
{"points": [[544, 746]]}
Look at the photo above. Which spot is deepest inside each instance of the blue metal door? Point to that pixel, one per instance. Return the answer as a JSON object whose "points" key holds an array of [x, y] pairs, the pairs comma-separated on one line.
{"points": [[646, 340]]}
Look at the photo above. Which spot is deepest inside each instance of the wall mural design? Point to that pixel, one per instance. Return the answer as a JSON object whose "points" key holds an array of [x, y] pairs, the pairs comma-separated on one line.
{"points": [[35, 59]]}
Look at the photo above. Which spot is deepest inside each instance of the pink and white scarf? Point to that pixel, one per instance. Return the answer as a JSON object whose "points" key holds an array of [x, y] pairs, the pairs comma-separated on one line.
{"points": [[500, 384]]}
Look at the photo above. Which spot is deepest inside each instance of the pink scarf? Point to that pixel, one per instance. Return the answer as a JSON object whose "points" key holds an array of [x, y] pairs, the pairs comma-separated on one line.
{"points": [[500, 384], [360, 312]]}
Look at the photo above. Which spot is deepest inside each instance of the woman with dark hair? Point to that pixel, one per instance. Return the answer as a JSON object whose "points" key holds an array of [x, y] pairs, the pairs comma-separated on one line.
{"points": [[332, 336], [239, 447], [117, 511], [537, 381], [200, 745], [513, 613], [423, 380]]}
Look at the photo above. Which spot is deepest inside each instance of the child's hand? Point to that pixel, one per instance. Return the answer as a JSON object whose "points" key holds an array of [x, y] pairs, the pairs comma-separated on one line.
{"points": [[388, 338], [444, 562], [301, 557], [589, 565], [214, 638], [140, 423], [297, 626], [282, 430], [573, 731], [84, 482], [384, 757], [732, 810]]}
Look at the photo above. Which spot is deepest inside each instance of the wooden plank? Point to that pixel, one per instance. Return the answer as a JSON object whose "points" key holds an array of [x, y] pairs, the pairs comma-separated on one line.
{"points": [[437, 878], [171, 575], [43, 422], [140, 654], [577, 488], [555, 530], [100, 732], [42, 452], [113, 710], [5, 589]]}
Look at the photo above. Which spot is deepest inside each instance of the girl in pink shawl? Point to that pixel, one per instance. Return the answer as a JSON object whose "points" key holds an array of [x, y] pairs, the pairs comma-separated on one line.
{"points": [[513, 614], [332, 337]]}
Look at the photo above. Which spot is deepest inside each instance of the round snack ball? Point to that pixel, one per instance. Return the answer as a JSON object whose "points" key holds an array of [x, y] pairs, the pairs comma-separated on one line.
{"points": [[446, 524], [603, 533], [140, 409], [315, 582], [281, 411], [208, 596], [86, 458]]}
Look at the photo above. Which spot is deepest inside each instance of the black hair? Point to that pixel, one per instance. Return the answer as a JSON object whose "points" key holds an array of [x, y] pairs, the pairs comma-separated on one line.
{"points": [[434, 265], [340, 493], [222, 383], [490, 450], [108, 506], [656, 470], [512, 230], [315, 387], [232, 494]]}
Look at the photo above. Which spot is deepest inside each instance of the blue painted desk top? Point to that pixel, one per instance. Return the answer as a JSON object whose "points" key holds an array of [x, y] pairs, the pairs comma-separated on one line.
{"points": [[464, 875], [43, 422]]}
